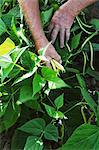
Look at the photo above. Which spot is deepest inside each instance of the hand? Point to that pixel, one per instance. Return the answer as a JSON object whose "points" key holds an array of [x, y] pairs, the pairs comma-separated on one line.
{"points": [[51, 53], [61, 22]]}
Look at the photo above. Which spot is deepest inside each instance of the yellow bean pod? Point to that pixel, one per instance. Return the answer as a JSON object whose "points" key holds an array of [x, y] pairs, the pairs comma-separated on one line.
{"points": [[57, 65], [53, 65]]}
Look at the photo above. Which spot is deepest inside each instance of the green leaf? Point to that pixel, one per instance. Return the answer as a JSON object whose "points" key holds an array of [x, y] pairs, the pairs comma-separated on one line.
{"points": [[38, 83], [6, 71], [18, 140], [14, 12], [59, 101], [11, 115], [34, 104], [1, 2], [75, 27], [17, 52], [48, 74], [34, 127], [50, 110], [51, 132], [15, 71], [33, 143], [46, 15], [72, 70], [93, 73], [15, 55], [25, 76], [34, 57], [13, 32], [27, 61], [3, 107], [95, 23], [5, 61], [85, 137], [57, 84], [51, 75], [3, 28], [89, 99], [25, 93], [81, 81], [60, 115], [97, 115], [75, 41], [85, 93]]}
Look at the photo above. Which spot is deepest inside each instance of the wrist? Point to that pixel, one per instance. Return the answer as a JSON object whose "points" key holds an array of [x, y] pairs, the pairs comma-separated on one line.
{"points": [[70, 7], [76, 6], [41, 42]]}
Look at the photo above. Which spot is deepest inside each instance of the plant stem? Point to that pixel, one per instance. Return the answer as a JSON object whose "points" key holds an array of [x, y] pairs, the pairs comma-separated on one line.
{"points": [[83, 114], [78, 104]]}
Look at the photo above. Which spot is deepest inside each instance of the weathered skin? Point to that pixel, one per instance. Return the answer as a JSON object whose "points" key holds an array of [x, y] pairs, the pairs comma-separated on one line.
{"points": [[60, 23]]}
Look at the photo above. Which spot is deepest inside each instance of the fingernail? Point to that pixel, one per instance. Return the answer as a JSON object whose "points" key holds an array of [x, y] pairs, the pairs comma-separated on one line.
{"points": [[60, 61], [61, 46]]}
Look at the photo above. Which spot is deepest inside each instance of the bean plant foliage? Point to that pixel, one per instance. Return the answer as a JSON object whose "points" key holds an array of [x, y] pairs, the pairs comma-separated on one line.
{"points": [[42, 107]]}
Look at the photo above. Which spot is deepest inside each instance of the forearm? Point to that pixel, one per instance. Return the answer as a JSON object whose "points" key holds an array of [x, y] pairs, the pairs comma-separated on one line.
{"points": [[77, 5], [32, 15]]}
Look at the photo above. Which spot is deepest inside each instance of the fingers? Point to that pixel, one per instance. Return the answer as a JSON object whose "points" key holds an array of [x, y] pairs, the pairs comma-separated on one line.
{"points": [[60, 61], [56, 57], [67, 34], [48, 62], [54, 33], [50, 28], [62, 37], [53, 55], [64, 33]]}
